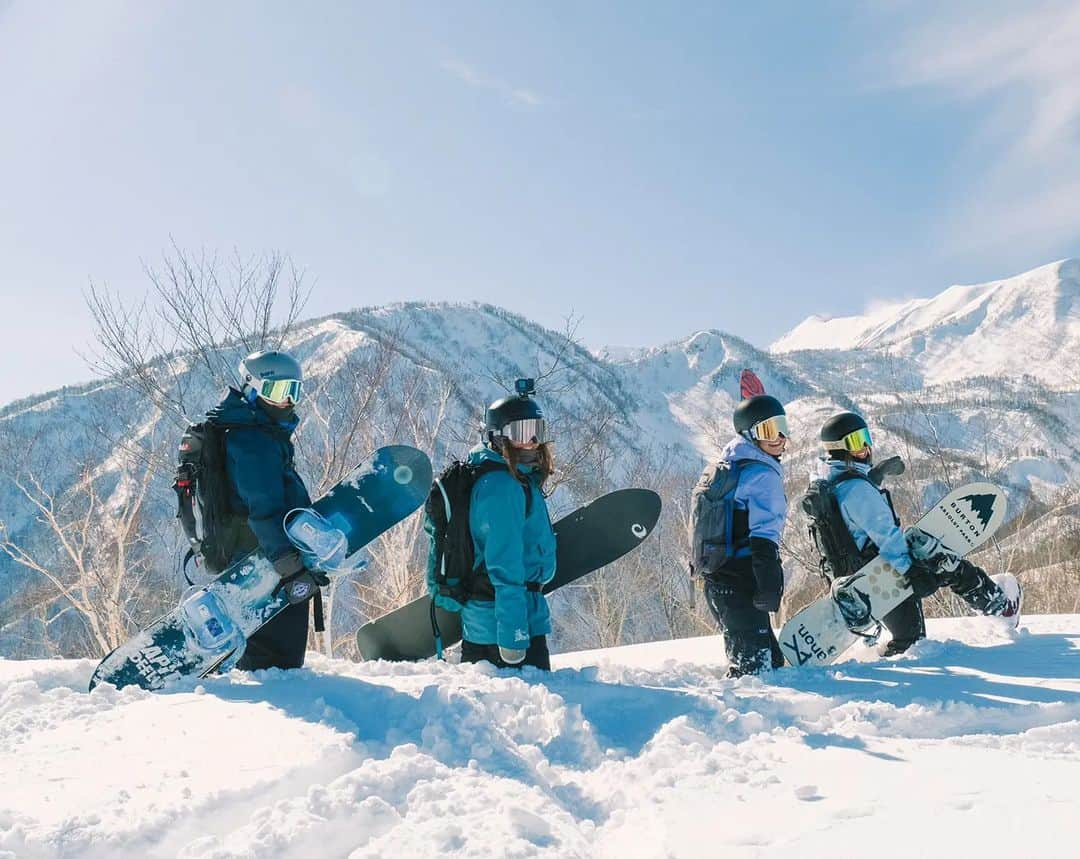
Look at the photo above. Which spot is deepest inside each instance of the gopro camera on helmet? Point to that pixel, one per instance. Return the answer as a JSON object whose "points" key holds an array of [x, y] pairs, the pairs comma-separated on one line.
{"points": [[525, 387]]}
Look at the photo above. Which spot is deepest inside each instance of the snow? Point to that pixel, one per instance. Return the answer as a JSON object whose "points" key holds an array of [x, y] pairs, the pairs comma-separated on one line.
{"points": [[1022, 324], [969, 744]]}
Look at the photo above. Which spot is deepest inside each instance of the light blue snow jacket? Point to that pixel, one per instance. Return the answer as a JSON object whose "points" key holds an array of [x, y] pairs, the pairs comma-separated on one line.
{"points": [[868, 517], [516, 548], [760, 491]]}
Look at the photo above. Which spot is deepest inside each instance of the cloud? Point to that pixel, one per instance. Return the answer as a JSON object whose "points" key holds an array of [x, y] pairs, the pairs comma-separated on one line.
{"points": [[1022, 62], [515, 95]]}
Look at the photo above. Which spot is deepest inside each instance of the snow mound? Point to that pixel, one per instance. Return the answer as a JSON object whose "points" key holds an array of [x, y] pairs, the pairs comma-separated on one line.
{"points": [[637, 751]]}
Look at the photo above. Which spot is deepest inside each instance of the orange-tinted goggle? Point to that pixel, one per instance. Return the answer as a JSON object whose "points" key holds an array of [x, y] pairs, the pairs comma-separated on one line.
{"points": [[770, 429], [853, 442]]}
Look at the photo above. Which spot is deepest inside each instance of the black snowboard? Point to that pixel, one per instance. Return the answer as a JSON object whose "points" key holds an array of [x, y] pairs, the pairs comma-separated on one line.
{"points": [[589, 538]]}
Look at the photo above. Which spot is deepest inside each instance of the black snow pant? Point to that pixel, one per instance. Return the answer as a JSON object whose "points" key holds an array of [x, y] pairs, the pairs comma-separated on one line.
{"points": [[281, 643], [537, 654], [967, 581], [749, 640]]}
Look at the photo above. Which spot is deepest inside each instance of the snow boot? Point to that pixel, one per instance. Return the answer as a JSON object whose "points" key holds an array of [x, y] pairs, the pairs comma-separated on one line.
{"points": [[1012, 598]]}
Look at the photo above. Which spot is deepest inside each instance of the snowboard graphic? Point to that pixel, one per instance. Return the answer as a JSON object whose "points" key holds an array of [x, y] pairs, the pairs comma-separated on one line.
{"points": [[209, 627], [587, 539], [818, 634]]}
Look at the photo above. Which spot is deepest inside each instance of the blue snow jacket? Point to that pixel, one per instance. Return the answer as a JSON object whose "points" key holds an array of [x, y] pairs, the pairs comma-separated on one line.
{"points": [[263, 483], [516, 547], [868, 516], [760, 491]]}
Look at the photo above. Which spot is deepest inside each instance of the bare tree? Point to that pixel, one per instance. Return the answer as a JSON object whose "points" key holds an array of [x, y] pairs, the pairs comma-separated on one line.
{"points": [[200, 315], [94, 551]]}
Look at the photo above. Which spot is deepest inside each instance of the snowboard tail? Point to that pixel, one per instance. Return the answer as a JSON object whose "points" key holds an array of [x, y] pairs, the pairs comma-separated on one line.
{"points": [[589, 538]]}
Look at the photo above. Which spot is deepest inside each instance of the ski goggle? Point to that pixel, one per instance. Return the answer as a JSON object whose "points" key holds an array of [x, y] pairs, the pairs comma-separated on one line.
{"points": [[527, 431], [770, 429], [279, 391], [853, 442]]}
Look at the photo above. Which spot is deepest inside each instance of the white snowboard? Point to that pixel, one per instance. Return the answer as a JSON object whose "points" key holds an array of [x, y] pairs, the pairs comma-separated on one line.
{"points": [[963, 520]]}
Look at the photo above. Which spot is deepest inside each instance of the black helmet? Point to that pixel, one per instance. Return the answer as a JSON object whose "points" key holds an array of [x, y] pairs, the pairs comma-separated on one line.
{"points": [[844, 433], [753, 410], [518, 417]]}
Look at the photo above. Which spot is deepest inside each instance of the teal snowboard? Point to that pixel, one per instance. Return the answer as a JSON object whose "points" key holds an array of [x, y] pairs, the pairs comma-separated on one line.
{"points": [[207, 631], [589, 538]]}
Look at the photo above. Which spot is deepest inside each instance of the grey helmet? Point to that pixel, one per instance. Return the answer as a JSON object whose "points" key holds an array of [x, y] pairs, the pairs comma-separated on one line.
{"points": [[275, 376]]}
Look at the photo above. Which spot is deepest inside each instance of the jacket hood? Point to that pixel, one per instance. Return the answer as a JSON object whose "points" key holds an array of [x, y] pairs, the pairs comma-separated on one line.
{"points": [[834, 467], [740, 448], [235, 410]]}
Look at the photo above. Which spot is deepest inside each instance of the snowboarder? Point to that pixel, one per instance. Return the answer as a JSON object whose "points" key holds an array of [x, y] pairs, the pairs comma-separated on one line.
{"points": [[261, 486], [874, 527], [505, 618], [747, 581]]}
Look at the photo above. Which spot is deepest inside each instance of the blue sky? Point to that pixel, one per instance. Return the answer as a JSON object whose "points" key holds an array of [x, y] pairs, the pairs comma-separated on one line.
{"points": [[652, 168]]}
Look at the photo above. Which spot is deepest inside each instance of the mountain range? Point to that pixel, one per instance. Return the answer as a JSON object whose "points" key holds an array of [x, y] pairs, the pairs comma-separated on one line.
{"points": [[978, 382]]}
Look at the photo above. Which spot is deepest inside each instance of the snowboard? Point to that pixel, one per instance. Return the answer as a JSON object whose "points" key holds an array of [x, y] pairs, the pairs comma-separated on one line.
{"points": [[818, 634], [207, 630], [589, 538]]}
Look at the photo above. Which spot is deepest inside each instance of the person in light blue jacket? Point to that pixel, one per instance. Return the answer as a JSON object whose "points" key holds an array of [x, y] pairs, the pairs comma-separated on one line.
{"points": [[506, 620], [875, 530], [750, 583]]}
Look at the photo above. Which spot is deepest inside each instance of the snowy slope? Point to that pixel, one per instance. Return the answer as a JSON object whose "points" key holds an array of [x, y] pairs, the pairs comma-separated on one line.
{"points": [[968, 746], [1025, 324]]}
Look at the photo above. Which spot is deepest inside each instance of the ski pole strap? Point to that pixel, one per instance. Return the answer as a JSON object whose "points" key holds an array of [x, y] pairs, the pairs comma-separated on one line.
{"points": [[317, 608], [436, 633]]}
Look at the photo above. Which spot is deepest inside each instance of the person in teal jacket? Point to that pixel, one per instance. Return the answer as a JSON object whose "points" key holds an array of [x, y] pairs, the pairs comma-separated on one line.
{"points": [[506, 621]]}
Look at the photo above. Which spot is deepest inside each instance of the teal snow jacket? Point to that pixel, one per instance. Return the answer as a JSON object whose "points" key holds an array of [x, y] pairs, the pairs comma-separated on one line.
{"points": [[516, 547]]}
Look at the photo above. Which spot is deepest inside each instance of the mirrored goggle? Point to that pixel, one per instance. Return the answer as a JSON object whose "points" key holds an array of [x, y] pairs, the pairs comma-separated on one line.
{"points": [[527, 431], [770, 429], [280, 390], [853, 441]]}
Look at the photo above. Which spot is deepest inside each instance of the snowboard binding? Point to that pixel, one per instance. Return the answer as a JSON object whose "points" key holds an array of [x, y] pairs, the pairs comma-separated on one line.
{"points": [[927, 547], [209, 628], [854, 607], [322, 546]]}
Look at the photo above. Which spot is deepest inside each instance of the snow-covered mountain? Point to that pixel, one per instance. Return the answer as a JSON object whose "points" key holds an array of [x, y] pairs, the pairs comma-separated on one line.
{"points": [[1028, 324], [977, 383], [966, 746]]}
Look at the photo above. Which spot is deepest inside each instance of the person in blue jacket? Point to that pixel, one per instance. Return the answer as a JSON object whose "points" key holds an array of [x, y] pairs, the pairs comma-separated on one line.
{"points": [[872, 522], [507, 621], [750, 584], [262, 486]]}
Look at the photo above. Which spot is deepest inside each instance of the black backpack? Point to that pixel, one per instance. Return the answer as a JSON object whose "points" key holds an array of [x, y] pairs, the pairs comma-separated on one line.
{"points": [[712, 527], [201, 482], [447, 510], [838, 556]]}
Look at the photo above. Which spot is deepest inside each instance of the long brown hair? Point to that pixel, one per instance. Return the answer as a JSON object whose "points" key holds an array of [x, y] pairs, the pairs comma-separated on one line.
{"points": [[545, 462]]}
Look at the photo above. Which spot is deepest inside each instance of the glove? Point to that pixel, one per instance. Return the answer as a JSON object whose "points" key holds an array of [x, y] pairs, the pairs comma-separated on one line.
{"points": [[890, 467], [300, 584], [511, 657], [922, 577], [768, 574]]}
